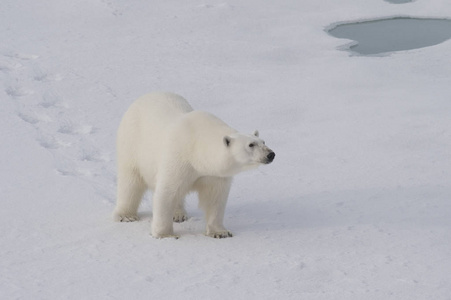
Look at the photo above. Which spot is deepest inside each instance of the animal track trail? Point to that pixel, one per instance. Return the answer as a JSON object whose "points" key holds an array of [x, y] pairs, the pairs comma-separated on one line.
{"points": [[34, 91]]}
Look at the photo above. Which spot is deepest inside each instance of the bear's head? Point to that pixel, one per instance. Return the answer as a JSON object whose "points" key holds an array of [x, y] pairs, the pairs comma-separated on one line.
{"points": [[248, 150]]}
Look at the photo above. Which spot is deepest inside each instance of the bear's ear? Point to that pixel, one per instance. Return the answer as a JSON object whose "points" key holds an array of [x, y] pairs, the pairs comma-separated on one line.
{"points": [[227, 140], [256, 133]]}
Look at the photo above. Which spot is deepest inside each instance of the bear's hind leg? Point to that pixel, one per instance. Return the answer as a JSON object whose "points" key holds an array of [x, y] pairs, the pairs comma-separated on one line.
{"points": [[130, 190], [180, 214]]}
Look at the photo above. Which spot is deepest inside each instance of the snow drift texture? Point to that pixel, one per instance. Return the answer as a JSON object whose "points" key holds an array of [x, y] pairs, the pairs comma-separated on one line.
{"points": [[356, 205]]}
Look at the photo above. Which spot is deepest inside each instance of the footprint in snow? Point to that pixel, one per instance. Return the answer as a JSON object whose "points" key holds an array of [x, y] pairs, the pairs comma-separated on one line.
{"points": [[67, 127], [39, 74], [22, 56], [31, 119], [111, 6], [217, 6], [18, 91], [6, 66], [48, 142], [51, 99], [34, 118], [93, 155]]}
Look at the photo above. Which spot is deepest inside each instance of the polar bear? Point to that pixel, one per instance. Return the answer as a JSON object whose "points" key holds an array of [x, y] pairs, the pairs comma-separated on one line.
{"points": [[166, 146]]}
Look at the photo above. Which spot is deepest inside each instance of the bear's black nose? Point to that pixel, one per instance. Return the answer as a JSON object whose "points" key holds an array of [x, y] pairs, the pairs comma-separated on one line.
{"points": [[270, 156]]}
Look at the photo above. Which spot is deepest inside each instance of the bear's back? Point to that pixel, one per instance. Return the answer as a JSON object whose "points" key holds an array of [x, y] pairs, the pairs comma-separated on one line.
{"points": [[144, 126], [162, 105]]}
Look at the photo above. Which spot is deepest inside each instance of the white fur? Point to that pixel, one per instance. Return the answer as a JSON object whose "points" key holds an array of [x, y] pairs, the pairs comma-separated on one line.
{"points": [[165, 146]]}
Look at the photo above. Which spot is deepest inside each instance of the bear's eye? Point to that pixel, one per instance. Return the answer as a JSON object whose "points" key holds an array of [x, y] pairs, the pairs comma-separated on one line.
{"points": [[251, 145]]}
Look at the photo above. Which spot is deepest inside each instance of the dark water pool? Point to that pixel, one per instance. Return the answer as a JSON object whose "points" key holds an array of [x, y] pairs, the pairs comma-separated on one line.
{"points": [[392, 34]]}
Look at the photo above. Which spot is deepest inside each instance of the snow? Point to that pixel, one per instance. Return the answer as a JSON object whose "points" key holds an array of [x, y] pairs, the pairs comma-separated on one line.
{"points": [[355, 206]]}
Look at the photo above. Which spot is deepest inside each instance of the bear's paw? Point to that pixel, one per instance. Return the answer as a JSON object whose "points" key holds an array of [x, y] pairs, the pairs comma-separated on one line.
{"points": [[180, 217], [126, 218], [220, 235]]}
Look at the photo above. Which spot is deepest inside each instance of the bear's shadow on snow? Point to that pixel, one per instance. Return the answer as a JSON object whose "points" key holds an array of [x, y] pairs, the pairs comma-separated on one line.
{"points": [[322, 210], [280, 215], [332, 209], [269, 216]]}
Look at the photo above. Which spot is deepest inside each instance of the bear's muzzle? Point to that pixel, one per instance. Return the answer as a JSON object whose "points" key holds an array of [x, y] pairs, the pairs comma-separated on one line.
{"points": [[270, 157]]}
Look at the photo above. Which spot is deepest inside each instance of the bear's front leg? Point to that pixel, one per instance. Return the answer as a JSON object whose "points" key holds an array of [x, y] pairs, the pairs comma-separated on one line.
{"points": [[175, 180], [213, 194], [163, 212]]}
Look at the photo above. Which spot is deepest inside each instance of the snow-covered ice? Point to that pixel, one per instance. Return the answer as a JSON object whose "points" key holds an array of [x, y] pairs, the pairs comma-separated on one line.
{"points": [[357, 204]]}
